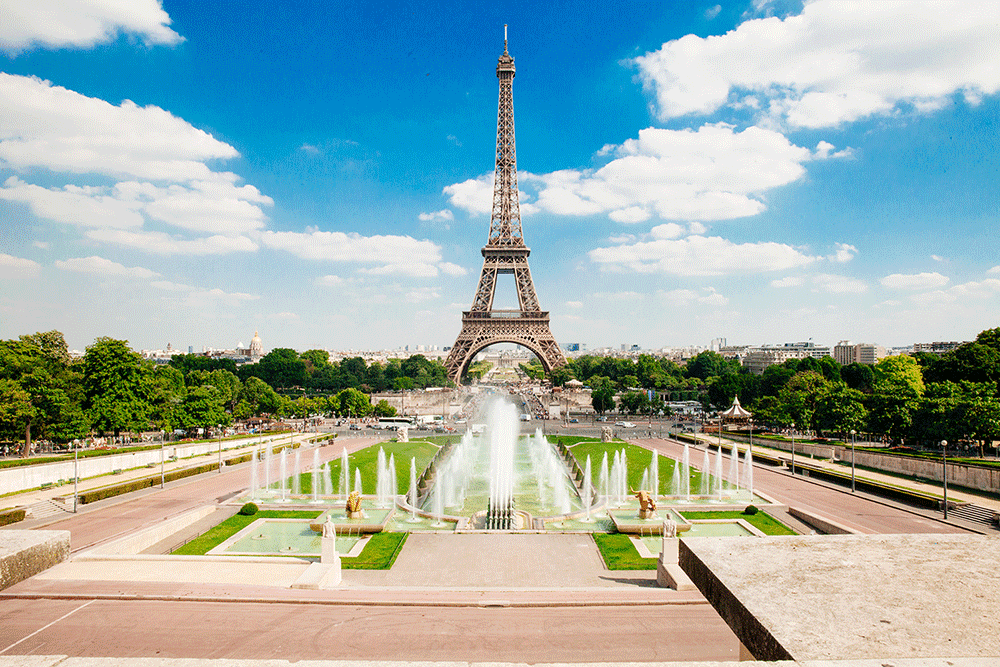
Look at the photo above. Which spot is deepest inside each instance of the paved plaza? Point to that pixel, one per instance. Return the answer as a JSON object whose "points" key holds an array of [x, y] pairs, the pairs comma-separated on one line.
{"points": [[466, 598]]}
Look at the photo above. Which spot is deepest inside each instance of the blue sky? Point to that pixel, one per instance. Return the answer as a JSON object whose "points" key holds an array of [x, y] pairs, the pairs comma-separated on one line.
{"points": [[321, 172]]}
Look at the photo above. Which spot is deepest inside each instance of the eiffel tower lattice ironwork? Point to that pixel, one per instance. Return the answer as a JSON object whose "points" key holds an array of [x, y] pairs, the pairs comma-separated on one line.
{"points": [[505, 253]]}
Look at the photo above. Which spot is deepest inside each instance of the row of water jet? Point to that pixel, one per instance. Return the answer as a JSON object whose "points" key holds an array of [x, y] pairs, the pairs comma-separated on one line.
{"points": [[614, 480], [550, 474]]}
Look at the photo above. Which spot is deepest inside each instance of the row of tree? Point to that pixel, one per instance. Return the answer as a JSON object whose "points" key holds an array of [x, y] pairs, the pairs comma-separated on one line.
{"points": [[920, 399], [44, 394]]}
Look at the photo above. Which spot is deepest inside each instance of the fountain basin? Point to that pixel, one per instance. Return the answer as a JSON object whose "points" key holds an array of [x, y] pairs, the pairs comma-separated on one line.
{"points": [[284, 537], [628, 521]]}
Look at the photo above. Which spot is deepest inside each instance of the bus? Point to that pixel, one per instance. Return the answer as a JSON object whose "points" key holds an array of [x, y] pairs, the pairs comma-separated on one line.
{"points": [[395, 422]]}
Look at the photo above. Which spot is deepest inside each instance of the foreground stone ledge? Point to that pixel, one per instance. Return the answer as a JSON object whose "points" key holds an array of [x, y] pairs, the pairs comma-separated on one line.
{"points": [[63, 661], [855, 597], [25, 553]]}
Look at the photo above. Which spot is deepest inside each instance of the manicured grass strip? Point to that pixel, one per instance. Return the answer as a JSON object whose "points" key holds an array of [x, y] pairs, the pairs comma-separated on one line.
{"points": [[367, 459], [619, 553], [638, 459], [379, 554], [215, 536], [762, 521]]}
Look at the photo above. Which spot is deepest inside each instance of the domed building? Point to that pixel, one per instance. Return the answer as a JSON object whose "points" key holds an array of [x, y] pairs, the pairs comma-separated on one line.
{"points": [[256, 347]]}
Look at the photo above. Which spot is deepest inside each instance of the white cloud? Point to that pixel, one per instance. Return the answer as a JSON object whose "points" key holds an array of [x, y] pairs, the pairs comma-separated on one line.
{"points": [[995, 269], [72, 205], [168, 286], [285, 316], [389, 251], [834, 284], [701, 256], [13, 268], [104, 267], [843, 254], [159, 243], [49, 126], [686, 297], [712, 12], [309, 148], [444, 214], [712, 173], [670, 230], [59, 24], [329, 281], [788, 281], [836, 62], [824, 148], [574, 304], [916, 281], [201, 298], [422, 294], [43, 245], [411, 269], [938, 258], [218, 207], [450, 269]]}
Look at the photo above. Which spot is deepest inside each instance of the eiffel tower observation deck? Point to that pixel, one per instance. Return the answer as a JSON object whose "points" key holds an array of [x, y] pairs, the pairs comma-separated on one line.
{"points": [[505, 253]]}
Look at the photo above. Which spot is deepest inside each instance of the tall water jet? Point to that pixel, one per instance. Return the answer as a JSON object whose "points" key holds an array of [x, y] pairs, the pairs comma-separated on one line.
{"points": [[315, 475], [504, 429], [437, 502], [253, 474], [413, 490], [588, 493], [686, 473], [296, 470], [381, 480], [748, 473], [703, 488], [345, 474], [644, 483], [357, 481], [324, 473], [734, 469], [654, 473], [718, 473], [267, 468], [603, 481], [675, 480], [282, 468], [393, 482]]}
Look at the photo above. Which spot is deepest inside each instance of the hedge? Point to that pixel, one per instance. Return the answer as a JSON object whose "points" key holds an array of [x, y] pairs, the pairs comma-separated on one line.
{"points": [[12, 515]]}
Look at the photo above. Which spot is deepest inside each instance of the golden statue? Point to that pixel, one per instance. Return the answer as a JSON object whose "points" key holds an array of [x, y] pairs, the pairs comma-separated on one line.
{"points": [[647, 504], [354, 506]]}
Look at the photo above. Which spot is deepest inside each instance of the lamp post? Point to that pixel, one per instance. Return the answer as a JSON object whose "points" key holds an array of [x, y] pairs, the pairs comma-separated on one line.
{"points": [[162, 433], [853, 432], [793, 448], [219, 434], [76, 472], [944, 474], [750, 459]]}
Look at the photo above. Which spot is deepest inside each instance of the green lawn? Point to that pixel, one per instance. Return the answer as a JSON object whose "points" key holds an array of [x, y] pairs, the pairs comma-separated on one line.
{"points": [[367, 459], [638, 459], [619, 553], [215, 536], [762, 521], [379, 554]]}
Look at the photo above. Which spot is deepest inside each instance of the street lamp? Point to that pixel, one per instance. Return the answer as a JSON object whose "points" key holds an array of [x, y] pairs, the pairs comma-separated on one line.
{"points": [[162, 433], [76, 472], [793, 448], [853, 432], [944, 477], [219, 434], [750, 460]]}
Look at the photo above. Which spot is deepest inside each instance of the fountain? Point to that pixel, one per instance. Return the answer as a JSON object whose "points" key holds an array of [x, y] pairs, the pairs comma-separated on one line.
{"points": [[282, 467], [357, 481], [603, 489], [686, 474], [654, 473], [413, 490], [588, 493], [734, 469], [703, 488], [718, 473], [345, 475], [296, 480], [748, 472], [253, 475]]}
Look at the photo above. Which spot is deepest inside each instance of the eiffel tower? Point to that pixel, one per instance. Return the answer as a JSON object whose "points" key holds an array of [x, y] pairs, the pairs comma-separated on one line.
{"points": [[504, 253]]}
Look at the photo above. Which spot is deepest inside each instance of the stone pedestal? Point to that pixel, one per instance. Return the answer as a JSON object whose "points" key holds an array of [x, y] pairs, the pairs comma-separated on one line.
{"points": [[329, 556], [668, 573]]}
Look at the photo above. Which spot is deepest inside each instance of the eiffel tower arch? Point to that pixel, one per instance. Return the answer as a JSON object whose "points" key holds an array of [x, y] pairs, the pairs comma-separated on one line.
{"points": [[505, 253]]}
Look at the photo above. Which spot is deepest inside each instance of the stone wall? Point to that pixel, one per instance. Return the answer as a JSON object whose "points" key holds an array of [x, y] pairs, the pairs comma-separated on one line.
{"points": [[25, 553], [973, 477]]}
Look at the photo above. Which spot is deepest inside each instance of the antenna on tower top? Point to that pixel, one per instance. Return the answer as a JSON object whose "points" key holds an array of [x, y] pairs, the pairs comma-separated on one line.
{"points": [[505, 38]]}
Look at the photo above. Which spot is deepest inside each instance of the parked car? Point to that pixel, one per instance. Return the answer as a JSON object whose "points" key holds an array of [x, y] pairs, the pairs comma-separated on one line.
{"points": [[602, 419], [625, 424], [355, 427], [574, 420]]}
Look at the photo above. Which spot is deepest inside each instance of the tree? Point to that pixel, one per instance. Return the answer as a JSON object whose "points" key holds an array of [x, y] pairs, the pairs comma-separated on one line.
{"points": [[259, 397], [634, 402], [16, 410], [117, 385], [352, 403], [202, 408], [800, 396], [383, 409], [282, 368], [602, 395], [858, 376], [840, 409], [974, 362], [897, 389], [709, 364]]}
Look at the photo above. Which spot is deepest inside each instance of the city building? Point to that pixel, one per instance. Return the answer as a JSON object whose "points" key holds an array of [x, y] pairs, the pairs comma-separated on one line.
{"points": [[757, 359], [937, 347], [845, 352]]}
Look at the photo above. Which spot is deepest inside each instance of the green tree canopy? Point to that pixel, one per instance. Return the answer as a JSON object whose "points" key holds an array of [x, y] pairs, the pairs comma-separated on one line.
{"points": [[117, 386]]}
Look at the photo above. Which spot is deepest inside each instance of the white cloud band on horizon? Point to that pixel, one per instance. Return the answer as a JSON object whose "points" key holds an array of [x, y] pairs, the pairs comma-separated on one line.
{"points": [[915, 281], [17, 268], [103, 267]]}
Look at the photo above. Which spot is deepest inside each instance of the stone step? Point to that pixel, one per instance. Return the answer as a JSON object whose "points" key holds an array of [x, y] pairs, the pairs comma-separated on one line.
{"points": [[44, 509], [974, 513]]}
